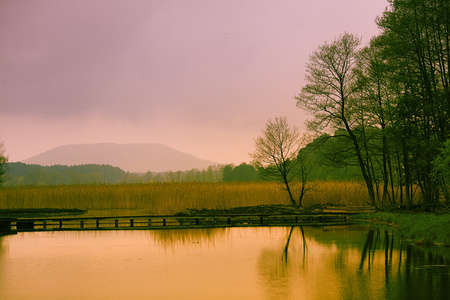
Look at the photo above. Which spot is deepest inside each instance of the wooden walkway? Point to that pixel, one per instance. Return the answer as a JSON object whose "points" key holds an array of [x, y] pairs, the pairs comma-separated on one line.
{"points": [[14, 225]]}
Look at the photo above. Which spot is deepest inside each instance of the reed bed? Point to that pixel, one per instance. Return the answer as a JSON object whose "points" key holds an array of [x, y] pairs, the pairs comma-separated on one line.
{"points": [[170, 198], [351, 193]]}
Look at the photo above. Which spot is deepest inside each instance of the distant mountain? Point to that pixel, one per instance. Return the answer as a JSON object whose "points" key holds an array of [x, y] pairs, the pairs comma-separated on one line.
{"points": [[138, 158]]}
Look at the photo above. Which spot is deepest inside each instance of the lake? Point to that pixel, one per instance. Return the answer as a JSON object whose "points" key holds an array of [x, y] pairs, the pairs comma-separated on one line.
{"points": [[309, 262]]}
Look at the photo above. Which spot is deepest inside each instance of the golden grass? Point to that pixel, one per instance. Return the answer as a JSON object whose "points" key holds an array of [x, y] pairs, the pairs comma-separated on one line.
{"points": [[169, 198]]}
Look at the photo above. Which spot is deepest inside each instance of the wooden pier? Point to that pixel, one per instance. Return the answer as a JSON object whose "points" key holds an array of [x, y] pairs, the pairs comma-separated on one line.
{"points": [[15, 225]]}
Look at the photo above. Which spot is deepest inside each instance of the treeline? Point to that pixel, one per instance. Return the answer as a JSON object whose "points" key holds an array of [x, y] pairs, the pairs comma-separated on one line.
{"points": [[25, 174], [20, 174]]}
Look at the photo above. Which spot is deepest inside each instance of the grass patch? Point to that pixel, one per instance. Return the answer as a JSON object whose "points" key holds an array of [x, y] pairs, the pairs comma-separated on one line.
{"points": [[424, 228]]}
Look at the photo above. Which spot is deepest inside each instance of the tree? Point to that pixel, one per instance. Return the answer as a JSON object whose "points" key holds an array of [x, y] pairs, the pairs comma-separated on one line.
{"points": [[330, 94], [415, 42], [3, 163], [276, 154], [243, 172], [227, 173]]}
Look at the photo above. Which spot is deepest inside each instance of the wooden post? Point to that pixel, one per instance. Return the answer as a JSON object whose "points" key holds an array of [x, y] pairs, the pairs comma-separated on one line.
{"points": [[228, 220], [44, 224], [5, 226], [116, 223], [97, 223], [149, 222], [261, 220], [131, 223], [81, 224], [197, 221], [60, 224], [164, 222]]}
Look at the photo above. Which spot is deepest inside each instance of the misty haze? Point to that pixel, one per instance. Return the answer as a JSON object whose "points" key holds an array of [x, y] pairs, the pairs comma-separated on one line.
{"points": [[138, 158]]}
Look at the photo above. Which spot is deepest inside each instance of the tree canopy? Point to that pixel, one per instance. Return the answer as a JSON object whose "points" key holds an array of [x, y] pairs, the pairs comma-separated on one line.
{"points": [[390, 99]]}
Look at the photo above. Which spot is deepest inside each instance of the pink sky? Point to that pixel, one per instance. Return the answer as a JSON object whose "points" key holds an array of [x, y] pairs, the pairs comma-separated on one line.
{"points": [[200, 76]]}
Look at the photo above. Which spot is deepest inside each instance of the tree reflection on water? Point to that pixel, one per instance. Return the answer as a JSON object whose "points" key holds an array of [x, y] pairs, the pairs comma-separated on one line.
{"points": [[331, 263], [417, 273]]}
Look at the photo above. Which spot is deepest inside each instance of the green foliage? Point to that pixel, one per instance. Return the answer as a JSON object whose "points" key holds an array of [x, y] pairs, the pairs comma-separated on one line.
{"points": [[414, 45], [417, 226], [441, 169], [211, 174], [3, 164], [387, 105], [243, 172], [332, 158], [24, 174]]}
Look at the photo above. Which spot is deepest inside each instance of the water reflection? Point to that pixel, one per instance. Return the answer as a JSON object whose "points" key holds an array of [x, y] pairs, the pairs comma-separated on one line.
{"points": [[344, 262], [274, 264], [179, 238]]}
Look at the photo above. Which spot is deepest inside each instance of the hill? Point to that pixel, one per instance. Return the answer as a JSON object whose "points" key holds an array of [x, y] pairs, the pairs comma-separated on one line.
{"points": [[138, 158]]}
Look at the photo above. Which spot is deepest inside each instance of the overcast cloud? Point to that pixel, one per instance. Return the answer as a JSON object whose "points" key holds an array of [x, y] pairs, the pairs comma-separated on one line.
{"points": [[200, 76]]}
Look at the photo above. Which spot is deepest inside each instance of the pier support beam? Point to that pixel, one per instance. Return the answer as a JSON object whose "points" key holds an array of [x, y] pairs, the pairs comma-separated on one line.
{"points": [[5, 226], [25, 225]]}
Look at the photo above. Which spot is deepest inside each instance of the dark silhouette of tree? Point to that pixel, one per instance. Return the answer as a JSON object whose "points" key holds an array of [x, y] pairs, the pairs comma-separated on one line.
{"points": [[330, 94]]}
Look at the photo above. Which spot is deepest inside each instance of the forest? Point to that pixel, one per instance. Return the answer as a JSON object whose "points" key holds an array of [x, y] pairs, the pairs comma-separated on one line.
{"points": [[385, 106]]}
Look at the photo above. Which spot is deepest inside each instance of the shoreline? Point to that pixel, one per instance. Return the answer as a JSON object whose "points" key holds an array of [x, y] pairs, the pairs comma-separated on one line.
{"points": [[422, 228]]}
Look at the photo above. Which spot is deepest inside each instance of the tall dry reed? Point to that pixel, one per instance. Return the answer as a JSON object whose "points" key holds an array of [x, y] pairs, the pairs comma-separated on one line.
{"points": [[169, 198]]}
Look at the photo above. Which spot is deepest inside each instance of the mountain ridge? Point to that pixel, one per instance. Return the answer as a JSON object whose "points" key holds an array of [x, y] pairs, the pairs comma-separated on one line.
{"points": [[133, 157]]}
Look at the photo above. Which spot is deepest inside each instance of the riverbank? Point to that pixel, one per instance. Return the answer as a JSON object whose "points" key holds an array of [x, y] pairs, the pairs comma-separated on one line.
{"points": [[421, 227], [240, 210]]}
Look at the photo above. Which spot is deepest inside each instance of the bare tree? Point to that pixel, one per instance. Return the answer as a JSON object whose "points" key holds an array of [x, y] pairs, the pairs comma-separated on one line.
{"points": [[277, 155], [331, 94]]}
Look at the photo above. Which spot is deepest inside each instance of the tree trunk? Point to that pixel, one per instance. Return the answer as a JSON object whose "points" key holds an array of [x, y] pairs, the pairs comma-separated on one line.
{"points": [[364, 171], [286, 182]]}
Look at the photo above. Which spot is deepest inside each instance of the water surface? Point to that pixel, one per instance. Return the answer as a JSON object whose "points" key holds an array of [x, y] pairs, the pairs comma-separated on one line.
{"points": [[344, 262]]}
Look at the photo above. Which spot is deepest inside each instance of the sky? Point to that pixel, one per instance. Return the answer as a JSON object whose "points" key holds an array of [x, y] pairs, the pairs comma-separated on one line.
{"points": [[200, 76]]}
